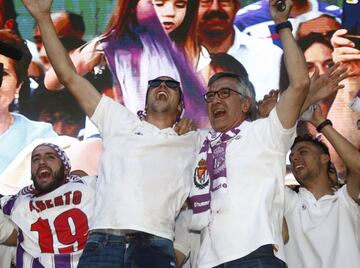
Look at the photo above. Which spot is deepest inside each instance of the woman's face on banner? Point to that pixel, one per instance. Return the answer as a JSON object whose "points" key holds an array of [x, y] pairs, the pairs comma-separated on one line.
{"points": [[9, 83], [171, 13]]}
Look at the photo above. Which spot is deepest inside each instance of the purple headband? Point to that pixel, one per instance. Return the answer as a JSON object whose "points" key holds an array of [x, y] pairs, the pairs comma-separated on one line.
{"points": [[61, 154]]}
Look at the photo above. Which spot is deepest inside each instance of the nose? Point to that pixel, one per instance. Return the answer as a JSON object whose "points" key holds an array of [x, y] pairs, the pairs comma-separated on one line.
{"points": [[41, 161], [322, 69], [169, 10], [215, 5]]}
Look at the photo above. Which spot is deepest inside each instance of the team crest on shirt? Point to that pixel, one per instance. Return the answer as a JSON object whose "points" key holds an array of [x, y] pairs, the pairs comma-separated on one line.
{"points": [[200, 178]]}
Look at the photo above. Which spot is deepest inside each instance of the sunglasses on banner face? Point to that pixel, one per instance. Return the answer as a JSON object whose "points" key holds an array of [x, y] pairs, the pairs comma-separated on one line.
{"points": [[169, 83]]}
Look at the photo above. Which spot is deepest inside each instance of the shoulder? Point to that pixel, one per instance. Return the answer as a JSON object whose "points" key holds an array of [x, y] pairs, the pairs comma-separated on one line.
{"points": [[345, 198], [24, 121]]}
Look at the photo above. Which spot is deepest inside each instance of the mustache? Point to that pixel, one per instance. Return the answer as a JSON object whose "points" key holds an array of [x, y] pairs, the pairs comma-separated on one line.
{"points": [[216, 14]]}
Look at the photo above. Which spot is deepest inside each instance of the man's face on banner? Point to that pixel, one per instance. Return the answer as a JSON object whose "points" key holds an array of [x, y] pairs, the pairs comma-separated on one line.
{"points": [[216, 16]]}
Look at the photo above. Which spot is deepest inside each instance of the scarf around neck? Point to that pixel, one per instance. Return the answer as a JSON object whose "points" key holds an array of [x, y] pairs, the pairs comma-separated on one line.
{"points": [[210, 177]]}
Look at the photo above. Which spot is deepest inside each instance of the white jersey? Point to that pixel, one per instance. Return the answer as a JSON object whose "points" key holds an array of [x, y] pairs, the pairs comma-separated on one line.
{"points": [[53, 227]]}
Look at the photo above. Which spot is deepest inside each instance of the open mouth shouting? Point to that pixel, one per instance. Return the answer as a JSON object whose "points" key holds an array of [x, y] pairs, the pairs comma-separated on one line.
{"points": [[218, 113], [44, 174], [162, 95]]}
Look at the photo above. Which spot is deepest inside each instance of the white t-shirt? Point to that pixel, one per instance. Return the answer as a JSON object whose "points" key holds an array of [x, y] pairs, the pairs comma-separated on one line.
{"points": [[322, 233], [53, 227], [144, 174], [186, 241], [254, 202], [260, 59]]}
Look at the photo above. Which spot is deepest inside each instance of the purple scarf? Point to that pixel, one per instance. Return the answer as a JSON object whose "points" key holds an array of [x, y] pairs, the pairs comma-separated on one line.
{"points": [[210, 178]]}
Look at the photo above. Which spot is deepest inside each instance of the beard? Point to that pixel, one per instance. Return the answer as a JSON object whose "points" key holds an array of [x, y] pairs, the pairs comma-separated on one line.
{"points": [[58, 180]]}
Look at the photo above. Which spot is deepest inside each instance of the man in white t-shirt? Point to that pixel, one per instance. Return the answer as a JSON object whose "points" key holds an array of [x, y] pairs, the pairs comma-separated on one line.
{"points": [[323, 221], [52, 215], [237, 195], [145, 168]]}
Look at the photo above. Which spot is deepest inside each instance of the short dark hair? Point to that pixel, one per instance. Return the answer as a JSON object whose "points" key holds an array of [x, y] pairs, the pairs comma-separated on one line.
{"points": [[77, 21], [314, 140]]}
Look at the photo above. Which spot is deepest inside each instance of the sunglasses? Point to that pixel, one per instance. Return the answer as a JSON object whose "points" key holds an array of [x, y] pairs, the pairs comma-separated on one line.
{"points": [[169, 83]]}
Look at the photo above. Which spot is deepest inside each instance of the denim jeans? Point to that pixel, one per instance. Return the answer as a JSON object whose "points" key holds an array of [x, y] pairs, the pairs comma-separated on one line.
{"points": [[263, 257], [103, 250], [147, 251]]}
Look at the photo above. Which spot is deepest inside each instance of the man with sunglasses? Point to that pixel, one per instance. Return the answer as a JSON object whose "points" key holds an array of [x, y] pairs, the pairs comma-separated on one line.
{"points": [[238, 191], [144, 168]]}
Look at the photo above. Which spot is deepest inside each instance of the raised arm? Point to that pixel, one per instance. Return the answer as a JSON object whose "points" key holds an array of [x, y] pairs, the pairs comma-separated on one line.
{"points": [[85, 94], [291, 101], [348, 153], [84, 58]]}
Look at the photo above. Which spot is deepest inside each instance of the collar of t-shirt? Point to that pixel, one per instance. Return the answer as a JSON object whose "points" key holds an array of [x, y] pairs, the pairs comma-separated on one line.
{"points": [[308, 196]]}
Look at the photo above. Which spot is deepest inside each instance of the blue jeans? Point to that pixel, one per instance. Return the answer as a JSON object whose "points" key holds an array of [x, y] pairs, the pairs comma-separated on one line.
{"points": [[146, 250], [103, 250], [263, 257]]}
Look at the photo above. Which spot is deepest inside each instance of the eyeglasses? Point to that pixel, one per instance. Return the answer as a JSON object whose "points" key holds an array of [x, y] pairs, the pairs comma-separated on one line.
{"points": [[169, 83], [222, 93]]}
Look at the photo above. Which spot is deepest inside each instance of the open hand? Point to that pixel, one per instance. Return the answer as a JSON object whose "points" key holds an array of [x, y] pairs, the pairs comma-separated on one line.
{"points": [[184, 126], [322, 86], [345, 52], [38, 8]]}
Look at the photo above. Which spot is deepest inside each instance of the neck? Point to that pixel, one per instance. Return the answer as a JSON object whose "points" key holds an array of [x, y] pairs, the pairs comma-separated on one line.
{"points": [[6, 120], [320, 186], [218, 43], [160, 120], [299, 8]]}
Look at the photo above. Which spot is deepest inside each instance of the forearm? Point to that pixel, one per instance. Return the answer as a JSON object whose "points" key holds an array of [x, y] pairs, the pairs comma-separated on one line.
{"points": [[295, 65], [348, 153], [80, 88], [351, 157], [84, 59], [292, 99], [59, 57]]}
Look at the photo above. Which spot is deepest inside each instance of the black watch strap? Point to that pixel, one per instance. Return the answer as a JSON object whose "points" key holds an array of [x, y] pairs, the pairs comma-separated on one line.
{"points": [[323, 124], [283, 25]]}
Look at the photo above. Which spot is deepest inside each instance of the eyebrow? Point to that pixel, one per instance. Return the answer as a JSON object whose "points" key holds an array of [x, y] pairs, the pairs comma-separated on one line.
{"points": [[48, 153]]}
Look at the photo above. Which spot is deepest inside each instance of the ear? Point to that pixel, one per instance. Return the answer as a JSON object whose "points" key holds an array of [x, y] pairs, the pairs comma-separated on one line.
{"points": [[324, 159], [179, 109], [246, 104]]}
